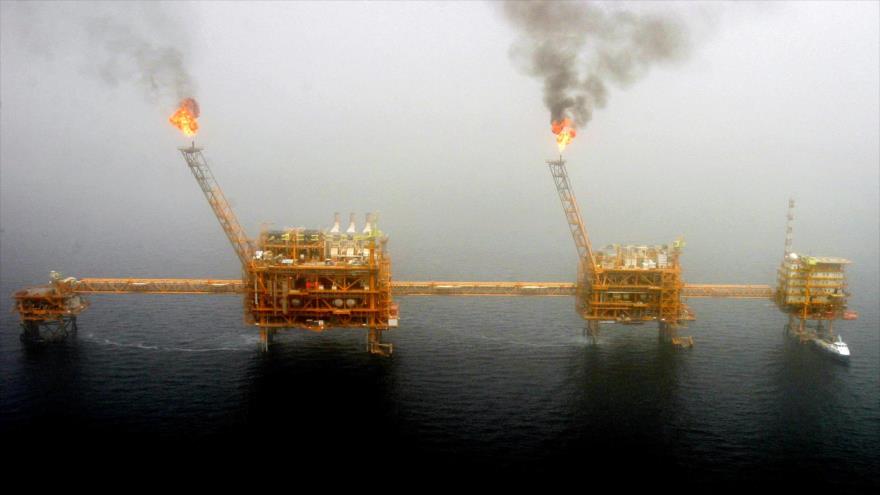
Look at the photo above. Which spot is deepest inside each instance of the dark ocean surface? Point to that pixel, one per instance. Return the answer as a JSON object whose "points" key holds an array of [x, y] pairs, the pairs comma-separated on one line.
{"points": [[484, 385]]}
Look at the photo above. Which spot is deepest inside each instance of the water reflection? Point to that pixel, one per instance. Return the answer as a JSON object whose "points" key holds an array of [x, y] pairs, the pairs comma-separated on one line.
{"points": [[324, 393]]}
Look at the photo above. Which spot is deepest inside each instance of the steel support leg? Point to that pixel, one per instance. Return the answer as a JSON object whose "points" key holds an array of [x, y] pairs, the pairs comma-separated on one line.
{"points": [[669, 333], [802, 330], [592, 331], [266, 335], [34, 332], [30, 331], [375, 345]]}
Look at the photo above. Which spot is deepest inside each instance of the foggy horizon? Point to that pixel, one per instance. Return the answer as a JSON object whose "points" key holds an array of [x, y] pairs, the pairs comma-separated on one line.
{"points": [[693, 120], [419, 113]]}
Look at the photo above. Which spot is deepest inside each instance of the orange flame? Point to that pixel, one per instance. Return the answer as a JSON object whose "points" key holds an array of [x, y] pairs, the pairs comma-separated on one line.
{"points": [[185, 117], [564, 131]]}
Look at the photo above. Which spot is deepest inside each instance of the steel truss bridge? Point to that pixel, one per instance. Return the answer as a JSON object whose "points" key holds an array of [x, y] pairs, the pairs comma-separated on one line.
{"points": [[399, 288]]}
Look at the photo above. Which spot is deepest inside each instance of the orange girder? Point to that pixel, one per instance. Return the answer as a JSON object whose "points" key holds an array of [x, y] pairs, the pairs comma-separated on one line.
{"points": [[401, 288]]}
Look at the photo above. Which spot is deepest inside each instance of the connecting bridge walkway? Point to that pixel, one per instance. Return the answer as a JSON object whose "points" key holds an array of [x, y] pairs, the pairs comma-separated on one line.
{"points": [[399, 288]]}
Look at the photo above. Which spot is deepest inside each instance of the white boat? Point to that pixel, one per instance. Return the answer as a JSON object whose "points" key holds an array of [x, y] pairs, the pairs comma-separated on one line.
{"points": [[837, 348]]}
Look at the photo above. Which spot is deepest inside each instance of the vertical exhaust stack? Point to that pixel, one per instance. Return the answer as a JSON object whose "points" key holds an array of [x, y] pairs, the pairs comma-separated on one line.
{"points": [[351, 227], [335, 229], [368, 227]]}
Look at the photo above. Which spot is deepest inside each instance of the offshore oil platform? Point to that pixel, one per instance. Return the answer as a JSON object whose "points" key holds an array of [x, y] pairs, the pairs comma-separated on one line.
{"points": [[309, 279], [318, 279], [813, 292], [623, 284], [291, 278]]}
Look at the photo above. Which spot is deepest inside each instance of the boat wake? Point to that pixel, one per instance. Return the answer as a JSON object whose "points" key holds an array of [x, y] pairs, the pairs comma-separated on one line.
{"points": [[249, 346]]}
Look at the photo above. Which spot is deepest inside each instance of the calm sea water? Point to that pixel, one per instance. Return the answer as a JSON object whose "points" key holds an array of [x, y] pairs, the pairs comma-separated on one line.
{"points": [[488, 385]]}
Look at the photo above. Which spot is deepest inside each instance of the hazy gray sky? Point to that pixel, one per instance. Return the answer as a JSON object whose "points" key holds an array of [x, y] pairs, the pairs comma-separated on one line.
{"points": [[417, 111]]}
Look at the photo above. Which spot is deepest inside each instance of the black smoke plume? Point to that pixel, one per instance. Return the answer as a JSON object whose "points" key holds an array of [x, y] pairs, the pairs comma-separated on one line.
{"points": [[149, 53], [577, 49]]}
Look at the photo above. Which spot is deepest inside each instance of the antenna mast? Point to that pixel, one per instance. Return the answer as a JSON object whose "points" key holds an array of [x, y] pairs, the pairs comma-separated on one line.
{"points": [[788, 228]]}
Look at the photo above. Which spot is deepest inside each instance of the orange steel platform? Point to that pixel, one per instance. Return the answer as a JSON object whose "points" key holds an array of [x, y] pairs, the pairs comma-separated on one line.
{"points": [[399, 288], [53, 307]]}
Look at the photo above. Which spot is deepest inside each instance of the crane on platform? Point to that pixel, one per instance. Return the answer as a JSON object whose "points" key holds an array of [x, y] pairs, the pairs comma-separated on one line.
{"points": [[623, 284], [303, 278], [572, 214], [586, 259], [244, 247]]}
